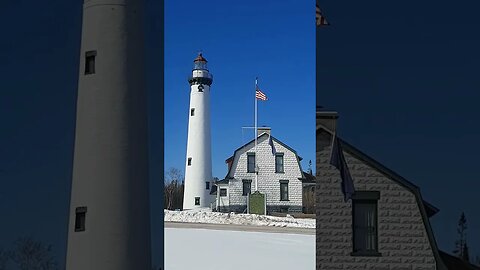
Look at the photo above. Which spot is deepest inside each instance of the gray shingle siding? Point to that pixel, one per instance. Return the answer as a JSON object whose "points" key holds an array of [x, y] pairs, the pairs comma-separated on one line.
{"points": [[402, 235], [268, 180]]}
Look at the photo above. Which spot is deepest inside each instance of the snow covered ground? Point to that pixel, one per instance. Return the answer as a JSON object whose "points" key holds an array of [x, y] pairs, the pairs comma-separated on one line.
{"points": [[203, 249], [238, 219]]}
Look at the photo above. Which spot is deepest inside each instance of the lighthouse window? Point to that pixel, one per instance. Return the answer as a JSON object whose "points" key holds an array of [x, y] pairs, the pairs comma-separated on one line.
{"points": [[189, 163], [90, 62], [197, 200], [192, 112], [80, 215], [207, 185]]}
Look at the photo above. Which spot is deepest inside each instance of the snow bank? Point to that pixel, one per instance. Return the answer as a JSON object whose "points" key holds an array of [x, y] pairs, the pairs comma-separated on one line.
{"points": [[237, 219]]}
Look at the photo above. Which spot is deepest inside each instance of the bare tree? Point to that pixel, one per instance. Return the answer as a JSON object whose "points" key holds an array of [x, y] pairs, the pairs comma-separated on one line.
{"points": [[30, 254], [5, 256], [461, 247], [173, 189]]}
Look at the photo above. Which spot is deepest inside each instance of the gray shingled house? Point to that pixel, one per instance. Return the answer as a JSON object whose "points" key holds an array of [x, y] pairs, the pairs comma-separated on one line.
{"points": [[280, 176], [386, 223]]}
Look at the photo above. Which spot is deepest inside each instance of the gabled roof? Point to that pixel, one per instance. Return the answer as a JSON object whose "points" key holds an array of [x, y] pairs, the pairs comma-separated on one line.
{"points": [[299, 158], [431, 210], [456, 263], [214, 188], [427, 210], [309, 178]]}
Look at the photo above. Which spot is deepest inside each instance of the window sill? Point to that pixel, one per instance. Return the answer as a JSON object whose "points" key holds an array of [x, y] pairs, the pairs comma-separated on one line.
{"points": [[285, 200], [366, 254], [280, 172]]}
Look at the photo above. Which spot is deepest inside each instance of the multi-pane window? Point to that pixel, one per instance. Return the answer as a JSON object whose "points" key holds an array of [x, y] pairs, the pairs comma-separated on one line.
{"points": [[279, 163], [283, 190], [250, 162], [197, 200], [223, 192], [90, 62], [247, 187], [80, 216], [364, 223]]}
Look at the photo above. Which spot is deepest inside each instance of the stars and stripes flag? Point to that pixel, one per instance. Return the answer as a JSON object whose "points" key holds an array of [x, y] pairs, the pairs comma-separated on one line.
{"points": [[260, 95], [270, 142], [338, 161], [321, 21]]}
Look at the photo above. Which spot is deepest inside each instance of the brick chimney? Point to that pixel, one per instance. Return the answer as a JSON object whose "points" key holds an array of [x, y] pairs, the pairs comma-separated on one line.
{"points": [[264, 129], [326, 124]]}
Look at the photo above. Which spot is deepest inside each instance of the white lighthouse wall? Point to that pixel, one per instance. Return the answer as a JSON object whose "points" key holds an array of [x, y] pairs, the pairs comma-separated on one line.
{"points": [[198, 149], [110, 170]]}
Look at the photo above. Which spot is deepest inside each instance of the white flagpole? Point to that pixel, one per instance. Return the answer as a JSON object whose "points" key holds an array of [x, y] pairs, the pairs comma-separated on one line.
{"points": [[256, 135]]}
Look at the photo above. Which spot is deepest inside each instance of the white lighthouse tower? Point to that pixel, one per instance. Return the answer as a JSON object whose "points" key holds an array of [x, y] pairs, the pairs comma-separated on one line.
{"points": [[109, 221], [198, 167]]}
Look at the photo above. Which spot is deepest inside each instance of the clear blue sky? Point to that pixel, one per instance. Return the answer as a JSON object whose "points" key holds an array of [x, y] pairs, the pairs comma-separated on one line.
{"points": [[274, 40], [404, 77]]}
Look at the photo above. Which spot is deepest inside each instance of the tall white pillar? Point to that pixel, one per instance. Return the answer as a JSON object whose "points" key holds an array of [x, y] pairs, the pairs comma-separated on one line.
{"points": [[198, 167], [109, 222]]}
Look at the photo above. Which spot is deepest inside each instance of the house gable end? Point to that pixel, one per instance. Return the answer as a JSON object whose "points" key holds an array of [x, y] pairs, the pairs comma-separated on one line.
{"points": [[324, 136]]}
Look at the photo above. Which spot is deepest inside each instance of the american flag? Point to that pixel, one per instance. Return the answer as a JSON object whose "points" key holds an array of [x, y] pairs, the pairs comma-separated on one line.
{"points": [[321, 21], [260, 95]]}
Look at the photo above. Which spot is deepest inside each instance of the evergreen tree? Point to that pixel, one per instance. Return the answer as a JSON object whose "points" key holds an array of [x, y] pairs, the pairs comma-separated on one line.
{"points": [[465, 253], [461, 248]]}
